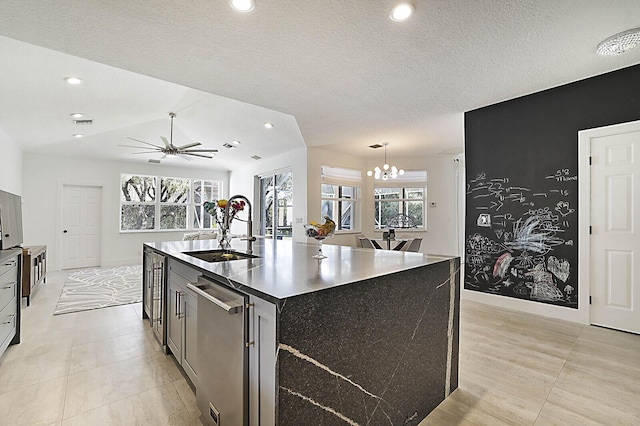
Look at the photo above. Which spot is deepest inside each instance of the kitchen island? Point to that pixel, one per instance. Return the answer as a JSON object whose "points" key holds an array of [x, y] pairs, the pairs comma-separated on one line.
{"points": [[362, 337]]}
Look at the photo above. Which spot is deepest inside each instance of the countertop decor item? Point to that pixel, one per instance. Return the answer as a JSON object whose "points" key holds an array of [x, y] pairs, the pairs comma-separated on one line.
{"points": [[216, 208], [319, 233]]}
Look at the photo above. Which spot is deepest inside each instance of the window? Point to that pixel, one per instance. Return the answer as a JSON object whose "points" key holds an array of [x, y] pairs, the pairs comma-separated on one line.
{"points": [[164, 203], [339, 197], [276, 205], [400, 203]]}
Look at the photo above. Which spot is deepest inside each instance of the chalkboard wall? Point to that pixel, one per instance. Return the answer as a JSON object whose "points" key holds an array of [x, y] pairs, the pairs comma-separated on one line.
{"points": [[521, 232]]}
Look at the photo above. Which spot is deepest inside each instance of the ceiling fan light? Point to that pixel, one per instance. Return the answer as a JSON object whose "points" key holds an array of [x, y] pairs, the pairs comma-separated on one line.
{"points": [[169, 155], [242, 5]]}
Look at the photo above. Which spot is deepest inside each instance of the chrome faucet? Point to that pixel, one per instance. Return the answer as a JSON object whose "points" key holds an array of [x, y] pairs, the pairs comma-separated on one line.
{"points": [[250, 238]]}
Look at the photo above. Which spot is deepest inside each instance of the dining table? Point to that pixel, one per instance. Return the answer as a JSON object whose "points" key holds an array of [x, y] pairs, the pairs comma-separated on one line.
{"points": [[398, 243]]}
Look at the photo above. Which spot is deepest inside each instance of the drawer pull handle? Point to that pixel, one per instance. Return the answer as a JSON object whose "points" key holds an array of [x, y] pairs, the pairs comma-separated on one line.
{"points": [[12, 316]]}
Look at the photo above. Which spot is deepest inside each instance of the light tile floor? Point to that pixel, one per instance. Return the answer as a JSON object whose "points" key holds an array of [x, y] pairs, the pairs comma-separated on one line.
{"points": [[103, 367]]}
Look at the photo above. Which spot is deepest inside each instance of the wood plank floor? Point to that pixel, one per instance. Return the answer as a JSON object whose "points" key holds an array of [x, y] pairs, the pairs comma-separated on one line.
{"points": [[104, 367]]}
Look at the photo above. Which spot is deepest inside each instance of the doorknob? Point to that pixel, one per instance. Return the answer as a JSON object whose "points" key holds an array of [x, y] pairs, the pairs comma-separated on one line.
{"points": [[65, 231]]}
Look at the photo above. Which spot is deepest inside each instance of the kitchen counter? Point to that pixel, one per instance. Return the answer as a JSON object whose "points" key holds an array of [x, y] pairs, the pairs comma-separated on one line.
{"points": [[362, 337], [284, 269]]}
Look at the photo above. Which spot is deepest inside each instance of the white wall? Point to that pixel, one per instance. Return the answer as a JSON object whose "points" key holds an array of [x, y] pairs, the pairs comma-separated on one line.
{"points": [[11, 169], [43, 179], [243, 181], [441, 234]]}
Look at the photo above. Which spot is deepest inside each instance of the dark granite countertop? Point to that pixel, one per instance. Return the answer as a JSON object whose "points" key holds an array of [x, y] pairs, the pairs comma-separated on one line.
{"points": [[286, 269]]}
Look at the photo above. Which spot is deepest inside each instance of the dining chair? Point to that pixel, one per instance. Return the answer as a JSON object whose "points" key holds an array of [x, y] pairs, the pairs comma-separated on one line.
{"points": [[413, 245], [367, 243], [359, 240]]}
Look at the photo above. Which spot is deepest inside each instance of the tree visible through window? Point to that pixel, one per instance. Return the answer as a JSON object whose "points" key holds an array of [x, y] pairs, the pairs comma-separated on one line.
{"points": [[399, 207], [179, 202]]}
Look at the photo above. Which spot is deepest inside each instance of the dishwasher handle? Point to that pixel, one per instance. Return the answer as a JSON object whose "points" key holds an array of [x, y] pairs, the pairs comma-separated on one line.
{"points": [[233, 306]]}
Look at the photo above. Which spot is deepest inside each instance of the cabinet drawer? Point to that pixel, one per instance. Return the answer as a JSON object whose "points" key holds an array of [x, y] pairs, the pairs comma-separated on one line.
{"points": [[6, 265], [8, 317], [8, 286], [187, 273], [179, 280]]}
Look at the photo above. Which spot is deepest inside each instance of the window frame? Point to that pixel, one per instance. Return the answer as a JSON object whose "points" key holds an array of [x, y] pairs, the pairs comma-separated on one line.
{"points": [[403, 201], [343, 177], [190, 204]]}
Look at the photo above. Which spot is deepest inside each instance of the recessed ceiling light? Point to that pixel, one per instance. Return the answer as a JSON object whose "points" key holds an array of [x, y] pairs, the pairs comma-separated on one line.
{"points": [[269, 125], [235, 142], [256, 157], [73, 80], [619, 43], [77, 115], [78, 135], [402, 11], [242, 5]]}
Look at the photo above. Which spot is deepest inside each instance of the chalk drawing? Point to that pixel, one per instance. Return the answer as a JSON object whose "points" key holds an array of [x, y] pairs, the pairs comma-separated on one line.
{"points": [[502, 265], [484, 220], [564, 209], [559, 268], [528, 235], [518, 228]]}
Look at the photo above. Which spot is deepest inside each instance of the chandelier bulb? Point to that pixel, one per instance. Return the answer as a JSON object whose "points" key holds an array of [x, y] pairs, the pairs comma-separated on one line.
{"points": [[377, 170], [385, 176], [369, 173], [386, 166], [401, 172]]}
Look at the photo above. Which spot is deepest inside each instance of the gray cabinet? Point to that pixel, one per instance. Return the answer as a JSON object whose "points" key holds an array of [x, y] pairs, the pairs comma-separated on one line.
{"points": [[10, 286], [181, 319], [262, 362], [147, 290]]}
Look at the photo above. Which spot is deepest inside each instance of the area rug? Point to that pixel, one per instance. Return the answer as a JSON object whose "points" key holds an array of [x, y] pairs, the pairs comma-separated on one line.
{"points": [[100, 288]]}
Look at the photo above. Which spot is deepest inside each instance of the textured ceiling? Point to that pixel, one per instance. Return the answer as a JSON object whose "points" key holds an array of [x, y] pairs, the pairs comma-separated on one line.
{"points": [[349, 75]]}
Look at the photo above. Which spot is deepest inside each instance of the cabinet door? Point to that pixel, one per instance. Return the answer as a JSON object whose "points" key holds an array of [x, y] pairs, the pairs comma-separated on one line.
{"points": [[174, 319], [147, 281], [262, 363], [190, 336]]}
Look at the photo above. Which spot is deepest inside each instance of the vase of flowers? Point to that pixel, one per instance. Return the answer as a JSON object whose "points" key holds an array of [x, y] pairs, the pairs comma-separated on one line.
{"points": [[224, 213]]}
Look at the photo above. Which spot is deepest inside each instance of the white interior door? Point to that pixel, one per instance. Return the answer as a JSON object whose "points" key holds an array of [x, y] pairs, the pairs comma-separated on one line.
{"points": [[81, 226], [615, 239]]}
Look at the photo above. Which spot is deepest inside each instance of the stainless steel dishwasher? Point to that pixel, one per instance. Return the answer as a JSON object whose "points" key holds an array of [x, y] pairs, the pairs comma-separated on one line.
{"points": [[222, 391]]}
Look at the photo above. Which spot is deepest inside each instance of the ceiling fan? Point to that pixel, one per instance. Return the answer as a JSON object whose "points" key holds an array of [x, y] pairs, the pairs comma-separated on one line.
{"points": [[170, 150]]}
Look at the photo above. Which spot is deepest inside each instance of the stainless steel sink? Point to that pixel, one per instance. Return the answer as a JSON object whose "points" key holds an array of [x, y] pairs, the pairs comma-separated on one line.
{"points": [[219, 255]]}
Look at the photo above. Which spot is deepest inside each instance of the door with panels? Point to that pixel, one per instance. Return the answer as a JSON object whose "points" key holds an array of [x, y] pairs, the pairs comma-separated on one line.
{"points": [[615, 217]]}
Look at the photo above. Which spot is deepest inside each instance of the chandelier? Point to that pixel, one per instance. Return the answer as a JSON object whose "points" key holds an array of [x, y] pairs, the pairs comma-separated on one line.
{"points": [[386, 171]]}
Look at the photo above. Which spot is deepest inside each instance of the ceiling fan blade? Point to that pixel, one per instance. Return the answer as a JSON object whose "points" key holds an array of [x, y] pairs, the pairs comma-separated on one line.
{"points": [[201, 150], [190, 145], [146, 143], [166, 142], [184, 157], [145, 152], [197, 155], [163, 157], [133, 146]]}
